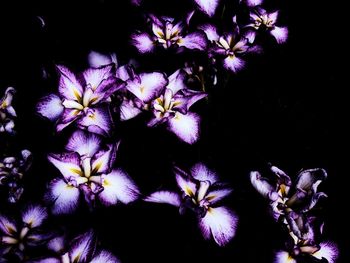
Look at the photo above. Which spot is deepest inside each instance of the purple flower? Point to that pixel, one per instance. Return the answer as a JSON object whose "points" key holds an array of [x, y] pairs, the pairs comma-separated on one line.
{"points": [[82, 99], [229, 48], [263, 21], [88, 169], [97, 60], [17, 236], [207, 6], [7, 112], [202, 193], [167, 33], [81, 249], [12, 170], [172, 108]]}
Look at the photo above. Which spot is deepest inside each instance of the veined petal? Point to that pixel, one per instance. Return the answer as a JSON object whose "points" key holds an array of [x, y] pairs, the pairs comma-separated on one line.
{"points": [[210, 31], [69, 87], [328, 250], [280, 34], [86, 144], [208, 6], [201, 172], [273, 16], [263, 186], [50, 107], [219, 222], [97, 59], [282, 176], [186, 127], [95, 76], [7, 226], [143, 42], [177, 81], [308, 178], [104, 257], [196, 40], [69, 115], [147, 86], [217, 195], [64, 196], [118, 186], [103, 160], [47, 260], [97, 120], [185, 184], [284, 257], [233, 63], [184, 99], [128, 110], [56, 244], [34, 215], [123, 72], [165, 197], [67, 163], [83, 247]]}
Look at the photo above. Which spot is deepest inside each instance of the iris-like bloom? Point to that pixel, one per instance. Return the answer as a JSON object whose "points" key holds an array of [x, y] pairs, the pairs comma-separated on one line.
{"points": [[167, 33], [82, 249], [202, 193], [229, 47], [291, 205], [82, 99], [16, 237], [172, 108], [12, 170], [88, 169], [263, 21], [7, 112]]}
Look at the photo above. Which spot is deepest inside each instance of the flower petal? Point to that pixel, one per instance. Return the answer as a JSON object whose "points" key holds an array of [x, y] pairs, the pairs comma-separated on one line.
{"points": [[95, 76], [67, 163], [208, 6], [233, 63], [56, 244], [97, 120], [186, 127], [143, 42], [252, 3], [50, 107], [196, 40], [284, 257], [47, 260], [280, 34], [69, 86], [201, 172], [86, 144], [103, 160], [34, 215], [217, 195], [210, 31], [219, 222], [185, 184], [64, 196], [128, 110], [7, 226], [177, 81], [263, 186], [308, 178], [147, 86], [328, 250], [82, 248], [97, 59], [104, 257], [165, 197], [118, 186]]}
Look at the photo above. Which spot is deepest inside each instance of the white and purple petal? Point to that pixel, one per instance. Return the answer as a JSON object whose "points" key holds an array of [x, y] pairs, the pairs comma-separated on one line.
{"points": [[97, 59], [97, 120], [196, 40], [217, 195], [263, 186], [207, 6], [185, 127], [185, 184], [128, 110], [118, 186], [103, 160], [82, 248], [284, 257], [7, 226], [50, 107], [280, 34], [166, 197], [220, 223], [252, 3], [233, 63], [201, 172], [34, 215], [147, 86], [310, 179], [210, 31], [67, 163], [328, 250], [86, 144], [143, 42], [65, 197], [104, 257], [95, 76], [69, 86], [177, 81]]}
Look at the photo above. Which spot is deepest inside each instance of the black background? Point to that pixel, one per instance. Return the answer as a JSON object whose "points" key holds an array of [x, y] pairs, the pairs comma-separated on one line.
{"points": [[288, 107]]}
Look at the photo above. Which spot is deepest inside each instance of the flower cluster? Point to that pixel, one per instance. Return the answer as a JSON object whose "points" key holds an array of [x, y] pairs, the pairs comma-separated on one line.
{"points": [[12, 170], [7, 112], [202, 193], [292, 205]]}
